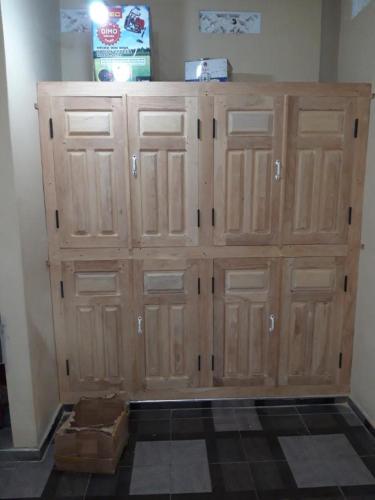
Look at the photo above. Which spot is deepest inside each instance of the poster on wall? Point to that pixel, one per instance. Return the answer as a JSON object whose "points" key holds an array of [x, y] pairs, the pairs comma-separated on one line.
{"points": [[122, 47], [75, 21], [229, 22]]}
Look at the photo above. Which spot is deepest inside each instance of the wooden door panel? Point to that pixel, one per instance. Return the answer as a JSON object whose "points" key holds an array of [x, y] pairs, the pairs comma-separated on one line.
{"points": [[246, 294], [167, 305], [97, 319], [163, 140], [311, 320], [319, 169], [89, 146], [247, 195]]}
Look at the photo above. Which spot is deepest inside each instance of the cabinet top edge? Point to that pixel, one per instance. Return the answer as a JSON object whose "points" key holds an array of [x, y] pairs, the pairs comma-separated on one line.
{"points": [[99, 89]]}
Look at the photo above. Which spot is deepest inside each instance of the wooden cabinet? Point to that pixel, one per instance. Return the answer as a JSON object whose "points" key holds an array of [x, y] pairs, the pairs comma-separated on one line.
{"points": [[166, 305], [89, 158], [319, 170], [203, 238], [312, 320], [163, 145], [246, 321], [247, 169], [97, 314]]}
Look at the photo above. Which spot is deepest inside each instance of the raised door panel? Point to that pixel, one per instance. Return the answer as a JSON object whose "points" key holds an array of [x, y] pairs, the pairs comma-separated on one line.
{"points": [[246, 192], [89, 147], [311, 321], [320, 163], [164, 183], [168, 323], [97, 320], [246, 321]]}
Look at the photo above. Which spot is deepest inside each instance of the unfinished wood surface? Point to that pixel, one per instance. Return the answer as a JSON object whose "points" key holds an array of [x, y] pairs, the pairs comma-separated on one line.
{"points": [[163, 145], [312, 321], [96, 297], [166, 323], [89, 146], [247, 181], [246, 321], [319, 168]]}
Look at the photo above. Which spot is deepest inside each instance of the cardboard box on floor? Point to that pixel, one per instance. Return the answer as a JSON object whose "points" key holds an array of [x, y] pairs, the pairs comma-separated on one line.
{"points": [[92, 439]]}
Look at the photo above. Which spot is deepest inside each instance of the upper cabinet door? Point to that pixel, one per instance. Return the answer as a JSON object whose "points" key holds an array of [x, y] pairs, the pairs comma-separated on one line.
{"points": [[318, 174], [163, 149], [246, 321], [89, 146], [247, 179]]}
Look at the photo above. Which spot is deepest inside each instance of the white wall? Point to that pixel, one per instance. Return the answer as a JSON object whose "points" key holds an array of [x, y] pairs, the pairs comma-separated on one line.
{"points": [[31, 47], [287, 49], [357, 63]]}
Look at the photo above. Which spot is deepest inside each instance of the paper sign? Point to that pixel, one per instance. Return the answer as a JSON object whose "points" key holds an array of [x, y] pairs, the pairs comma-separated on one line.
{"points": [[229, 22]]}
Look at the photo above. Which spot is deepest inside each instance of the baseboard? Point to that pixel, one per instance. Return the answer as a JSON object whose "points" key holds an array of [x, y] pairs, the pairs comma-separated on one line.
{"points": [[33, 454], [362, 416]]}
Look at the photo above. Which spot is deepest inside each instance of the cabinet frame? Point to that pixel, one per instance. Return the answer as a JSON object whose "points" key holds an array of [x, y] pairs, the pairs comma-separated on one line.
{"points": [[206, 252]]}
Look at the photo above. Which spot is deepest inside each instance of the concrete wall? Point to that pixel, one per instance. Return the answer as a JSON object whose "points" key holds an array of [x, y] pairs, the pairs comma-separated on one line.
{"points": [[288, 47], [357, 63], [32, 53]]}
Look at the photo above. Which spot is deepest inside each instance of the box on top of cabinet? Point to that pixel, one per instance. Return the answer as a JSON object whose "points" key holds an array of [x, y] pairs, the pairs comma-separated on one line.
{"points": [[205, 70], [122, 46]]}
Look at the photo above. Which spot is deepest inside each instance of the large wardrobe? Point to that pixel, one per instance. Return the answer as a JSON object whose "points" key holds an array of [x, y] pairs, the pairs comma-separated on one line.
{"points": [[203, 238]]}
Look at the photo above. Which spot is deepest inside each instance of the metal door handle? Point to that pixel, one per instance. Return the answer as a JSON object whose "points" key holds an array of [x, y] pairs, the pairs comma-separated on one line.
{"points": [[134, 166], [139, 329], [277, 170], [272, 323]]}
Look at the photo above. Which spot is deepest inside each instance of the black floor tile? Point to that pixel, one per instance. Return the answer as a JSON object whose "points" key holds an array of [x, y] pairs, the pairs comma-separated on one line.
{"points": [[169, 405], [192, 428], [359, 492], [361, 440], [370, 463], [128, 454], [289, 425], [65, 486], [149, 430], [192, 413], [145, 415], [327, 423], [327, 408], [302, 494], [102, 486], [272, 476], [260, 448], [225, 447]]}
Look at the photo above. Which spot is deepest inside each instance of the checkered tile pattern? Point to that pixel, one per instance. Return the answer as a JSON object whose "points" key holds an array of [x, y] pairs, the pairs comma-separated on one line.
{"points": [[234, 450]]}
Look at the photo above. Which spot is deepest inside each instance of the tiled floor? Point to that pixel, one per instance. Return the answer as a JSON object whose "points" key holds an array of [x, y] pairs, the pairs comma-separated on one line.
{"points": [[227, 450]]}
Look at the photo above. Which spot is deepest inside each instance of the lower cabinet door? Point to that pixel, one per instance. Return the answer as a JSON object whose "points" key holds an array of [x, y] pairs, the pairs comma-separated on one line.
{"points": [[246, 321], [167, 323], [312, 310], [96, 310]]}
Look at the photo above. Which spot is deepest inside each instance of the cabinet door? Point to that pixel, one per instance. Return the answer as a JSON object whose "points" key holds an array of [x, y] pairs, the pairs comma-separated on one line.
{"points": [[246, 321], [167, 324], [163, 147], [96, 309], [246, 186], [319, 166], [89, 143], [311, 320]]}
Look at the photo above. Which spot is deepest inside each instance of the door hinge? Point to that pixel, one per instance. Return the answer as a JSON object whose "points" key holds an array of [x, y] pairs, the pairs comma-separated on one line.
{"points": [[51, 128], [199, 128], [213, 363], [213, 217], [199, 363], [346, 283], [350, 211], [67, 366], [214, 128], [340, 360], [356, 126], [62, 289], [199, 218], [199, 286], [57, 219], [213, 284]]}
